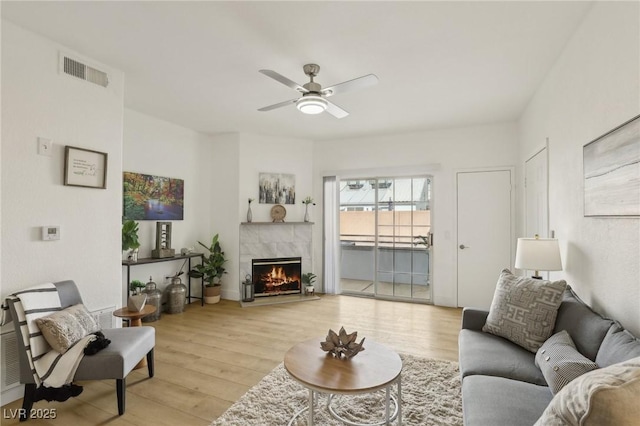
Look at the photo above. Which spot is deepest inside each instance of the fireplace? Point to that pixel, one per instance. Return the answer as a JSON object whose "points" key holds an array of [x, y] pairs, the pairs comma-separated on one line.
{"points": [[279, 276]]}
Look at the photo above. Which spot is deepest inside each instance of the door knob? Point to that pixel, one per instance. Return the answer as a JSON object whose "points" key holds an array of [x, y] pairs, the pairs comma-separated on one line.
{"points": [[462, 247]]}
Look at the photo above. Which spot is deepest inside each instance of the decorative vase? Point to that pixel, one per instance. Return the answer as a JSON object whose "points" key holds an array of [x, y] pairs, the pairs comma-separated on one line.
{"points": [[136, 303], [176, 296], [130, 255], [306, 212], [153, 298], [249, 214]]}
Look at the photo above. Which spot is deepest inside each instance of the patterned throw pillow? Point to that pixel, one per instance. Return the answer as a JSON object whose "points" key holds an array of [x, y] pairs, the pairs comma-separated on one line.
{"points": [[561, 362], [64, 328], [524, 309], [603, 397]]}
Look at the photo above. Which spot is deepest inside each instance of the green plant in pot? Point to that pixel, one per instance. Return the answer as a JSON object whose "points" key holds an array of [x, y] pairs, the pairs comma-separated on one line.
{"points": [[137, 286], [211, 270], [308, 279], [130, 239]]}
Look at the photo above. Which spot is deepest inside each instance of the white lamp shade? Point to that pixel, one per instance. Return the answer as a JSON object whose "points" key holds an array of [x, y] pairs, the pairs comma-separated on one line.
{"points": [[538, 254]]}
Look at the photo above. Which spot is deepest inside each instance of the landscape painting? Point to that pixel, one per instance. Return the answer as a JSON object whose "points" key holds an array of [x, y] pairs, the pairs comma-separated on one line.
{"points": [[148, 197], [277, 188], [612, 172]]}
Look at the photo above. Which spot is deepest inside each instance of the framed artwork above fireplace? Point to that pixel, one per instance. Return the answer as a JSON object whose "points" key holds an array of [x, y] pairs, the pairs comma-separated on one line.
{"points": [[277, 188]]}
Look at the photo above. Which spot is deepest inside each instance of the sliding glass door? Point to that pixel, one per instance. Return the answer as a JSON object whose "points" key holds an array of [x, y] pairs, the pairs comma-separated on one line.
{"points": [[385, 237]]}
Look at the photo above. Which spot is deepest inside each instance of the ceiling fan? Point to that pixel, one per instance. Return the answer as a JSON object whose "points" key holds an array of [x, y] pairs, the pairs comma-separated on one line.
{"points": [[313, 100]]}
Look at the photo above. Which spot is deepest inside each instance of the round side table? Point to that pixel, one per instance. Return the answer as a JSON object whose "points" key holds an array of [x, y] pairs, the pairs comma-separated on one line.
{"points": [[135, 320]]}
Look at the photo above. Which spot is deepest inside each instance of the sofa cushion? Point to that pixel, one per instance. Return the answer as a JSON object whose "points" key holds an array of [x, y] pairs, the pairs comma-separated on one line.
{"points": [[485, 354], [524, 309], [64, 328], [586, 328], [618, 345], [560, 361], [603, 397], [497, 401]]}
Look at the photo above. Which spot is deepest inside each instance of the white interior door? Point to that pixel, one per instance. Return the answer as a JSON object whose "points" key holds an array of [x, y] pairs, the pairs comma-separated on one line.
{"points": [[536, 196], [484, 229]]}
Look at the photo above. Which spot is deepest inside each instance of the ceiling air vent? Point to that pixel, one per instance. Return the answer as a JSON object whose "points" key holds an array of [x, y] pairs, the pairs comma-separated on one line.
{"points": [[84, 72]]}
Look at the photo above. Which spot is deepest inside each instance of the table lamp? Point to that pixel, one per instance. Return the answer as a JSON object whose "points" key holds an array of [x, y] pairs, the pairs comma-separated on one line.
{"points": [[538, 254]]}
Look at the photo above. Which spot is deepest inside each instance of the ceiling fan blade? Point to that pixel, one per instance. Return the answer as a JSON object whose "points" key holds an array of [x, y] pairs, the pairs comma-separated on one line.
{"points": [[284, 80], [335, 110], [278, 105], [355, 84]]}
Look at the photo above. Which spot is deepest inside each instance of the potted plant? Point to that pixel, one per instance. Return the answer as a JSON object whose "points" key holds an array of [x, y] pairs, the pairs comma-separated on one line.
{"points": [[137, 300], [130, 239], [136, 286], [308, 279], [211, 270]]}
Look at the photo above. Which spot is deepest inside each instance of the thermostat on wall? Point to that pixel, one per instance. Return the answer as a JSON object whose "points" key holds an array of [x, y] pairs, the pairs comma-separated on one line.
{"points": [[50, 233]]}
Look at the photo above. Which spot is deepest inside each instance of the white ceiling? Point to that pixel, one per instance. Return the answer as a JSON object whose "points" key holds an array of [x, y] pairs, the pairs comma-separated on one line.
{"points": [[440, 64]]}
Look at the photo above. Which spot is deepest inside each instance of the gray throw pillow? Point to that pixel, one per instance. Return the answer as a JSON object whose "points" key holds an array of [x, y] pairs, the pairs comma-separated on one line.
{"points": [[524, 309], [561, 362], [618, 345]]}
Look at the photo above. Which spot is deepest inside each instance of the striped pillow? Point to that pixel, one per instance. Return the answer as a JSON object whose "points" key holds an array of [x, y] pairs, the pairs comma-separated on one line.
{"points": [[561, 362], [603, 397]]}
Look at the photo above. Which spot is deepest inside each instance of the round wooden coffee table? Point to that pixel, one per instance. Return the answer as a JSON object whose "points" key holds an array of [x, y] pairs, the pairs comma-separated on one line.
{"points": [[375, 368]]}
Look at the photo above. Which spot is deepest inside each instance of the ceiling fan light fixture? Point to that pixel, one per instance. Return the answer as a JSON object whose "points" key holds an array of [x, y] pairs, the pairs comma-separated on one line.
{"points": [[311, 104]]}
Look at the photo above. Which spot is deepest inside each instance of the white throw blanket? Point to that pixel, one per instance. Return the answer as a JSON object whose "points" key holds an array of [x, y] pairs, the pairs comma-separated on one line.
{"points": [[48, 366]]}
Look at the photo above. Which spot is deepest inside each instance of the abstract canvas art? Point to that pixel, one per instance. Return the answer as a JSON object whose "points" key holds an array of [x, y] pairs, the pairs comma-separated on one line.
{"points": [[277, 188], [148, 197], [612, 172]]}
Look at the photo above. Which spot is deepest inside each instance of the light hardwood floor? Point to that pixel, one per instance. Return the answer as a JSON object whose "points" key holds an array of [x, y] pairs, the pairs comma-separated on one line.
{"points": [[207, 357]]}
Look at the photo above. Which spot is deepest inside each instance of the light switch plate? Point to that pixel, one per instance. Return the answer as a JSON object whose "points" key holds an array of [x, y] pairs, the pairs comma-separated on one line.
{"points": [[45, 147]]}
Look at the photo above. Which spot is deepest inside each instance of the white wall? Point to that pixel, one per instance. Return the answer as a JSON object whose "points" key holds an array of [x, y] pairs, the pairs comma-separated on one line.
{"points": [[266, 154], [40, 102], [438, 153], [225, 207], [593, 87], [37, 101], [156, 147]]}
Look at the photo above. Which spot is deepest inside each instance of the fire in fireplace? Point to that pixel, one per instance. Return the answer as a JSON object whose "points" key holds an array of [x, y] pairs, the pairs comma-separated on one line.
{"points": [[273, 277]]}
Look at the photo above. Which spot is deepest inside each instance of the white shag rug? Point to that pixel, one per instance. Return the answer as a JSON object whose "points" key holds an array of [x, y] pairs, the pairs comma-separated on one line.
{"points": [[431, 395]]}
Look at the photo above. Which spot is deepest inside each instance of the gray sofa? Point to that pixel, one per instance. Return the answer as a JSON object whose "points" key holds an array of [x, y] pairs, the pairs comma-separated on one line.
{"points": [[501, 384]]}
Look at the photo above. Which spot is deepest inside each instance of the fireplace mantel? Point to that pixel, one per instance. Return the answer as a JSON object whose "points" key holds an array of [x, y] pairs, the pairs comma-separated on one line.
{"points": [[276, 223]]}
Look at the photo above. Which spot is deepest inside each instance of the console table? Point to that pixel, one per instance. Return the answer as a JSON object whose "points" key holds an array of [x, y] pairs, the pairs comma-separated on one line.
{"points": [[147, 260]]}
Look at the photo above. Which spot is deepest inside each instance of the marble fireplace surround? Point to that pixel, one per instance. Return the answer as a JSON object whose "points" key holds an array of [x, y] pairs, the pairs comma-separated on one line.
{"points": [[264, 240]]}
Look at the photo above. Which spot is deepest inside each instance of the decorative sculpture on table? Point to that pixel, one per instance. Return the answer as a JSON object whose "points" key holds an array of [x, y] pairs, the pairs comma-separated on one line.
{"points": [[163, 241], [137, 300], [342, 344]]}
